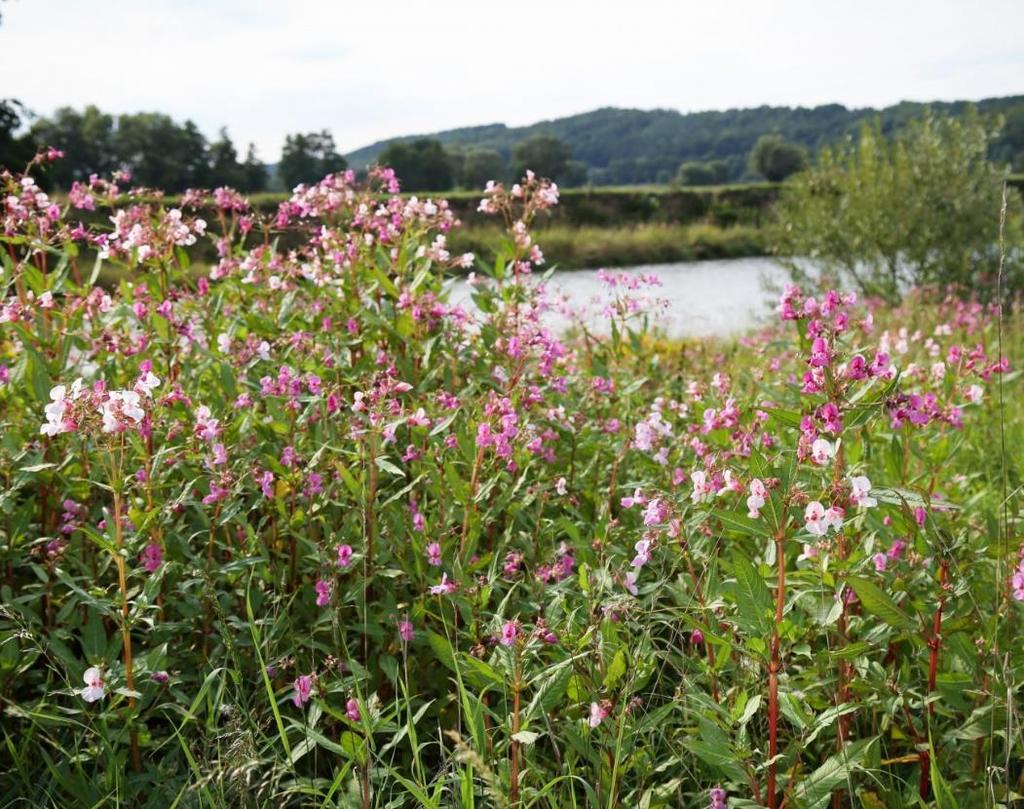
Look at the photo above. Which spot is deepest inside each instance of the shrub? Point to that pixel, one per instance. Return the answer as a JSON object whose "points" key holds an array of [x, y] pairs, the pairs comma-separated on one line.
{"points": [[886, 215]]}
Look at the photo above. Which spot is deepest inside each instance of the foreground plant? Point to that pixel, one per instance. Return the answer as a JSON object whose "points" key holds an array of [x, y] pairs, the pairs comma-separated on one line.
{"points": [[307, 531]]}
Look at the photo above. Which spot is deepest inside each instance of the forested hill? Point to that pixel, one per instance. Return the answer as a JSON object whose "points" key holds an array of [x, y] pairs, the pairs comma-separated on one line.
{"points": [[627, 146]]}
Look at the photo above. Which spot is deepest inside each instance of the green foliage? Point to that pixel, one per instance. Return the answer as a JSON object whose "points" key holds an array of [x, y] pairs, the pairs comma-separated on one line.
{"points": [[886, 214], [306, 158], [474, 167], [15, 149], [545, 155], [775, 158], [697, 172], [634, 147], [159, 152], [423, 165]]}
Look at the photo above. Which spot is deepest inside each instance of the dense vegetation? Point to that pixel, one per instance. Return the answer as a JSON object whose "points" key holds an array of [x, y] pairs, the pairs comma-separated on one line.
{"points": [[603, 147], [626, 147], [297, 531]]}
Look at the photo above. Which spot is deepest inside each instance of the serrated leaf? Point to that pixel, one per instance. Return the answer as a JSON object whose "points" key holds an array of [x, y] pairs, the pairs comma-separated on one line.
{"points": [[816, 789], [878, 603], [753, 599]]}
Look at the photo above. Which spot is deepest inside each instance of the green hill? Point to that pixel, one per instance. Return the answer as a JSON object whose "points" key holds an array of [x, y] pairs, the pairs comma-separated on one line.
{"points": [[629, 146]]}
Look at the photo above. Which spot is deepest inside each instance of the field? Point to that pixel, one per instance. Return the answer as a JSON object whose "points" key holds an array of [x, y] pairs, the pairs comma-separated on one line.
{"points": [[297, 532]]}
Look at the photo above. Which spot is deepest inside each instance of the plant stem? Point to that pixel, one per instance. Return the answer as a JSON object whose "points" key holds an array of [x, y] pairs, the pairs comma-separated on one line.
{"points": [[513, 792], [126, 635], [934, 644], [773, 671]]}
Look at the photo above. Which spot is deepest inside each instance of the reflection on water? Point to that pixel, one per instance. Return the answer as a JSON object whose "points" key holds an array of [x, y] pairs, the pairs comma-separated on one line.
{"points": [[704, 297]]}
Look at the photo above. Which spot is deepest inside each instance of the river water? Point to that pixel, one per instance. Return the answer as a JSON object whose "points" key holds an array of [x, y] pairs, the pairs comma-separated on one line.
{"points": [[702, 297]]}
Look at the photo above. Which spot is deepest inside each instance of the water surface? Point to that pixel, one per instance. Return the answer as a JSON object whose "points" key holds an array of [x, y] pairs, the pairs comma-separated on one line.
{"points": [[704, 297]]}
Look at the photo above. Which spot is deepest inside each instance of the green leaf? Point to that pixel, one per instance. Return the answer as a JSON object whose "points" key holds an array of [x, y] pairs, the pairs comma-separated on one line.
{"points": [[718, 756], [616, 668], [387, 466], [753, 599], [877, 602], [817, 788], [744, 524]]}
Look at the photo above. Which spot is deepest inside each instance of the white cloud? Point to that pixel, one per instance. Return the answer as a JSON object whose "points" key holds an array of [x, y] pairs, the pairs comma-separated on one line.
{"points": [[371, 70]]}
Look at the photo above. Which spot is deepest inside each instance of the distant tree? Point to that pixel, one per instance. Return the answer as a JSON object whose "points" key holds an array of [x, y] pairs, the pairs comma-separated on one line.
{"points": [[884, 214], [308, 158], [15, 150], [161, 153], [546, 155], [701, 172], [775, 158], [254, 172], [574, 174], [480, 165], [422, 165], [224, 166], [86, 138]]}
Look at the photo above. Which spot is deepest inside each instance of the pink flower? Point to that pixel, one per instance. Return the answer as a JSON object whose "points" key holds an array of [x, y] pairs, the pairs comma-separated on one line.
{"points": [[509, 633], [152, 557], [630, 580], [266, 481], [352, 709], [655, 513], [643, 553], [406, 631], [598, 713], [344, 555], [323, 592], [920, 516], [446, 587], [881, 561], [95, 687], [303, 689], [434, 554]]}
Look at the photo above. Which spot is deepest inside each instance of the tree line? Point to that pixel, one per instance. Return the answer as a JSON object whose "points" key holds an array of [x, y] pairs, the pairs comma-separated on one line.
{"points": [[764, 144]]}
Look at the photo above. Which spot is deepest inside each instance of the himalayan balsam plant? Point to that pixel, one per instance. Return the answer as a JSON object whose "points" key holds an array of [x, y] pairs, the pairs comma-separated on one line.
{"points": [[294, 529]]}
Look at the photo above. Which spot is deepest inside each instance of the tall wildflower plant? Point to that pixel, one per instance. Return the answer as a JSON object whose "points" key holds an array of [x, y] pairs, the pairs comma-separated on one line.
{"points": [[295, 528]]}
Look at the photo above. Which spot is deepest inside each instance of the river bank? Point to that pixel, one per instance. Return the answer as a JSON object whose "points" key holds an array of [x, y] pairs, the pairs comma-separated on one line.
{"points": [[593, 246]]}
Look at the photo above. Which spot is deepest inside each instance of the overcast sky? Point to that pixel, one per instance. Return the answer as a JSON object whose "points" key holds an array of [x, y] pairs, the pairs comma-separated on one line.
{"points": [[376, 68]]}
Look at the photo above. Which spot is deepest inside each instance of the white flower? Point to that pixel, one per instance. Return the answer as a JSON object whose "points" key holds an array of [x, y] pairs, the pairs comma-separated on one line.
{"points": [[975, 393], [822, 451], [95, 688], [756, 501], [814, 519], [120, 410], [702, 490], [56, 410], [147, 383], [861, 489]]}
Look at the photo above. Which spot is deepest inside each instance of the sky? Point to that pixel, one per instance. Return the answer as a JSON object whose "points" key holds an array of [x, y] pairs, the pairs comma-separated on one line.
{"points": [[380, 68]]}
